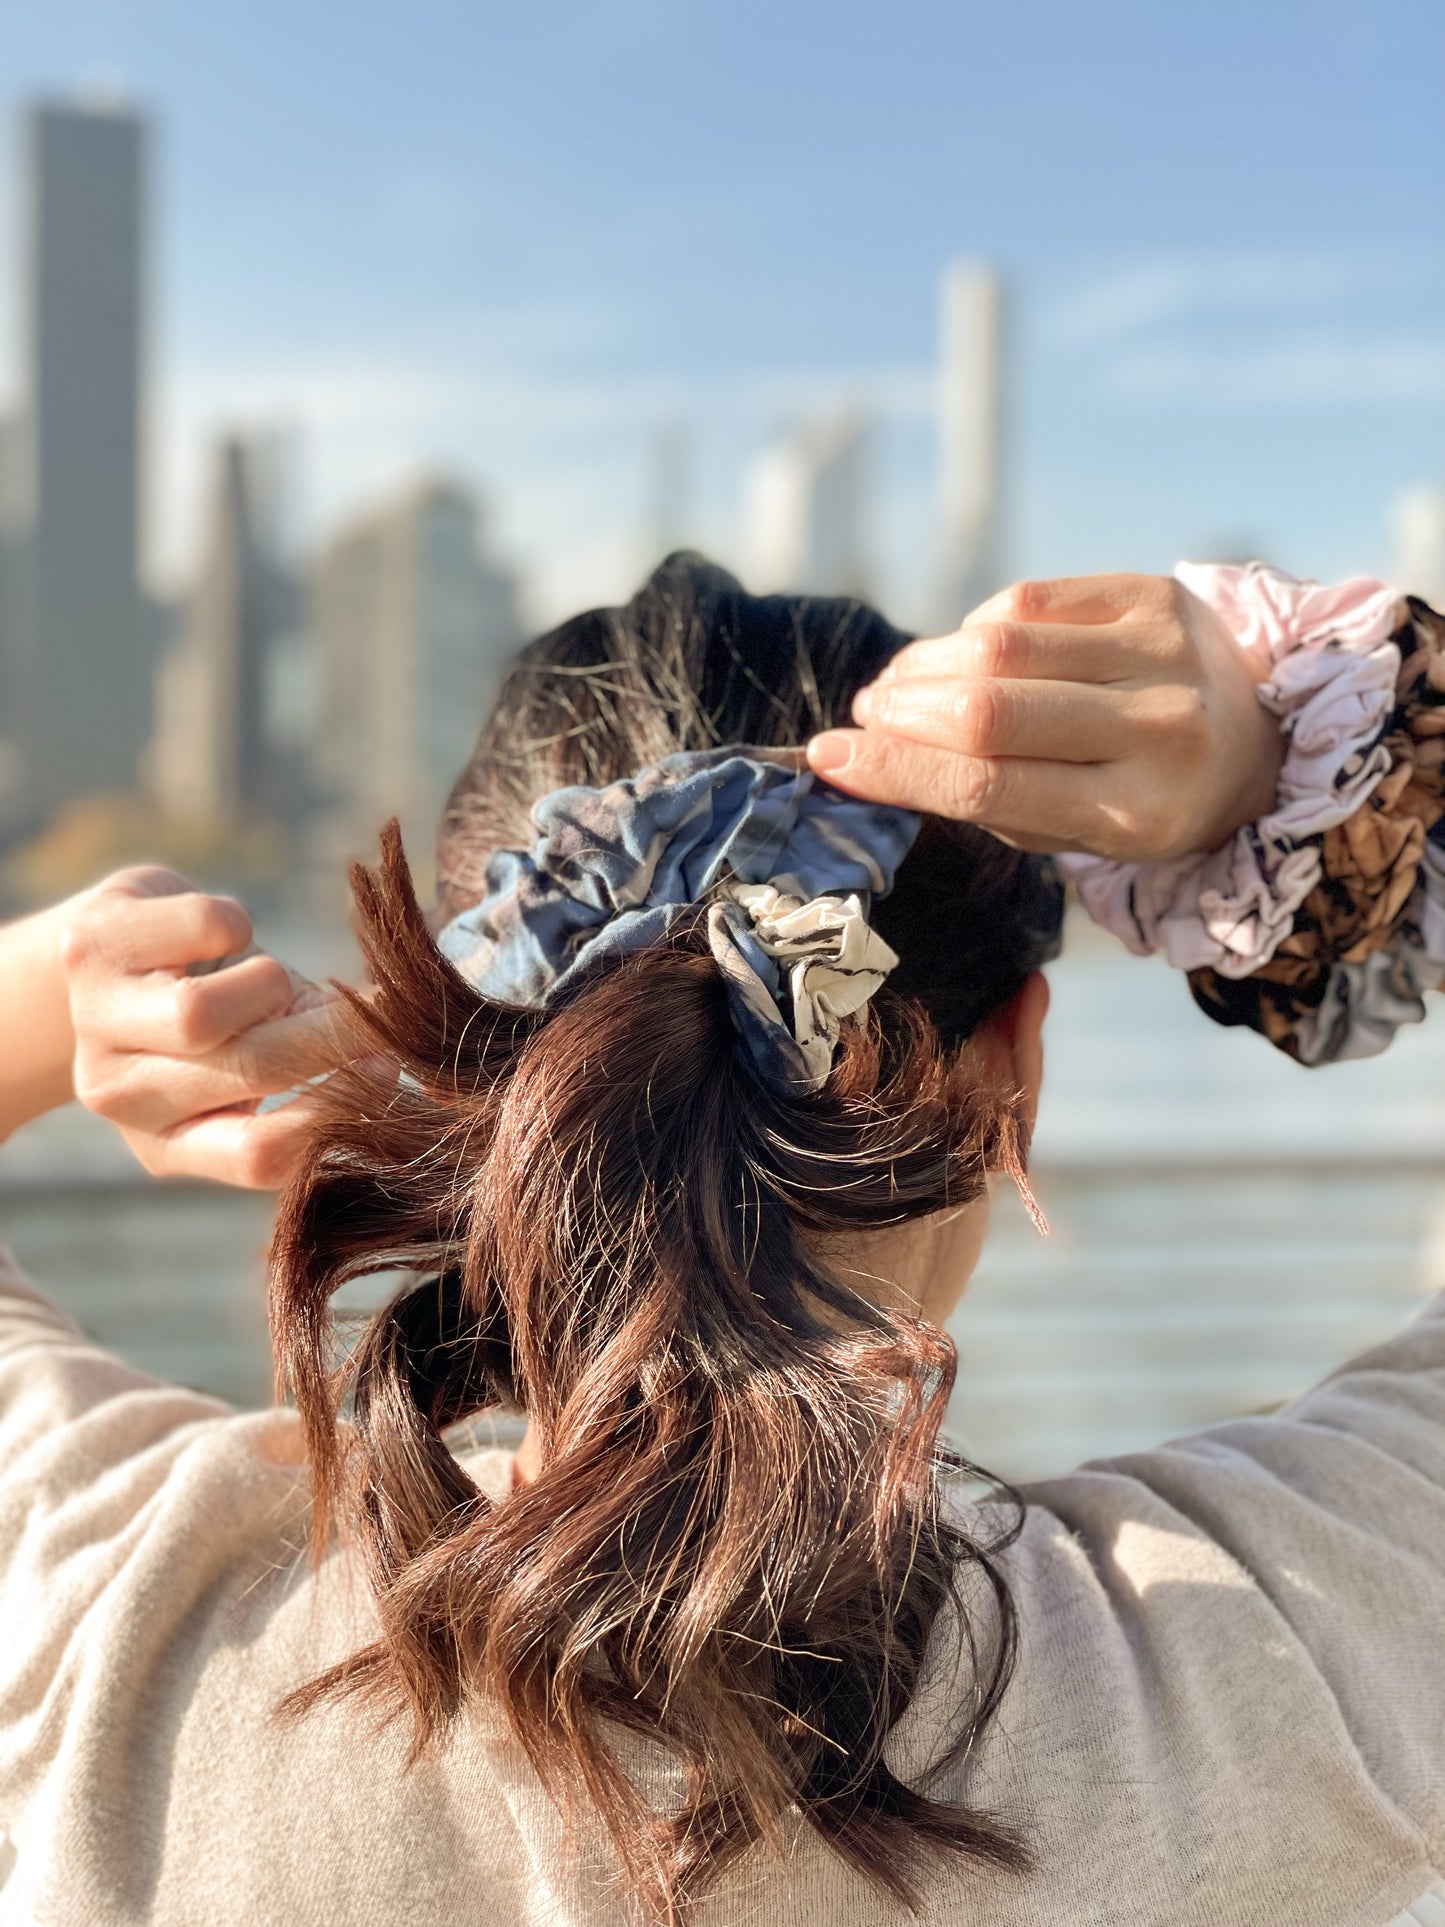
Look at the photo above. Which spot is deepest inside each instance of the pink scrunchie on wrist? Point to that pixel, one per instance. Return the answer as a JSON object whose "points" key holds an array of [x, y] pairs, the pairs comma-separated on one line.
{"points": [[1330, 678]]}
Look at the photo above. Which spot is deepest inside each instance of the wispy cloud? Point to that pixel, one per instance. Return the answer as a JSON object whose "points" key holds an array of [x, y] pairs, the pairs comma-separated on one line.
{"points": [[1164, 289], [1288, 371]]}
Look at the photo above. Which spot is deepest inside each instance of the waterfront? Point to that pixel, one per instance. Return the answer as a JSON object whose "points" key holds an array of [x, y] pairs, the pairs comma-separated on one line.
{"points": [[1225, 1229]]}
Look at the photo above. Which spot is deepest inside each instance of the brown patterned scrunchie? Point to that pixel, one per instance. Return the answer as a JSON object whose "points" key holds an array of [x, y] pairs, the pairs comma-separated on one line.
{"points": [[1356, 955]]}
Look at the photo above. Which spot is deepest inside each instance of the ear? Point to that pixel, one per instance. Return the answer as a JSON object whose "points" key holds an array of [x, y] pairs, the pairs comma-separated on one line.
{"points": [[1012, 1040]]}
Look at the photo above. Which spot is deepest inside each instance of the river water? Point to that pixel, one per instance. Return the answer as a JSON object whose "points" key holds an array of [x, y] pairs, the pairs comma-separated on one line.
{"points": [[1225, 1228]]}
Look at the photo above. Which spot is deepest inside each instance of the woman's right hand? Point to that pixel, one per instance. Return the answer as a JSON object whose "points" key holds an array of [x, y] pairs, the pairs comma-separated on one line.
{"points": [[177, 1052], [1112, 714]]}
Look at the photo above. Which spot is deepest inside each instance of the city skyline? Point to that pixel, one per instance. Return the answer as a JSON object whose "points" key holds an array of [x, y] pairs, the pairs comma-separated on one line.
{"points": [[807, 503], [320, 686], [199, 717], [1229, 318]]}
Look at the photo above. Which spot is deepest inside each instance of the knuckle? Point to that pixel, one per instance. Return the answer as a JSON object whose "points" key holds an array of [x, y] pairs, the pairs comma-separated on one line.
{"points": [[986, 713], [891, 769], [1168, 600], [248, 1063], [1192, 715], [263, 1160], [1180, 715], [221, 921], [272, 982], [886, 706], [193, 1015], [102, 1086], [1026, 600], [80, 938], [974, 787], [1149, 831], [1000, 649]]}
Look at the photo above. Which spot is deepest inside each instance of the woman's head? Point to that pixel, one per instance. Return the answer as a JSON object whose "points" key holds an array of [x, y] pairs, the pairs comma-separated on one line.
{"points": [[693, 662], [734, 1544]]}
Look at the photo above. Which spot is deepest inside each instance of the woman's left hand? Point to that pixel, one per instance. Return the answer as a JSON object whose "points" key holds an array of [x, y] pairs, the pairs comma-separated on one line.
{"points": [[1113, 714], [181, 1028]]}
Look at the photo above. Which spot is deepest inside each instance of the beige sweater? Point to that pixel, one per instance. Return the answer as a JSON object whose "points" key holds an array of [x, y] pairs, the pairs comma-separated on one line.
{"points": [[1230, 1710]]}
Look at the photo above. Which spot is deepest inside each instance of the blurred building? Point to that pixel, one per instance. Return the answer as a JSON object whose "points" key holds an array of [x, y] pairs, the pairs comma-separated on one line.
{"points": [[75, 645], [669, 492], [805, 509], [413, 625], [221, 756], [1417, 561], [973, 433]]}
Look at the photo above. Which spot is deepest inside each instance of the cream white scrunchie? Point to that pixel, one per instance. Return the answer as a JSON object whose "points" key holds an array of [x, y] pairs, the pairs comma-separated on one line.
{"points": [[833, 959], [1330, 671]]}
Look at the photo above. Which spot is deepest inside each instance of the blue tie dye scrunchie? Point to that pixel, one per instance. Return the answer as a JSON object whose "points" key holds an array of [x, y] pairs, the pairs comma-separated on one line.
{"points": [[612, 869]]}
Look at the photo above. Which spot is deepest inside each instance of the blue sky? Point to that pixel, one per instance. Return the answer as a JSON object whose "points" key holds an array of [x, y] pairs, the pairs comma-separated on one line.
{"points": [[510, 239]]}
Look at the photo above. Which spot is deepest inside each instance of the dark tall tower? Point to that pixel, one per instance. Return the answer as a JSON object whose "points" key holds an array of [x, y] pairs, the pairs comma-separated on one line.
{"points": [[212, 761], [79, 658]]}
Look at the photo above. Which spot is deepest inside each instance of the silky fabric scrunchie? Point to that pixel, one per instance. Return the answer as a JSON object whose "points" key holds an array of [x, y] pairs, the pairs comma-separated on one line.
{"points": [[611, 870]]}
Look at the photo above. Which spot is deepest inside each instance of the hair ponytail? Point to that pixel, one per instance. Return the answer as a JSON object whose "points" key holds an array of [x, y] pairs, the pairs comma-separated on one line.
{"points": [[735, 1545]]}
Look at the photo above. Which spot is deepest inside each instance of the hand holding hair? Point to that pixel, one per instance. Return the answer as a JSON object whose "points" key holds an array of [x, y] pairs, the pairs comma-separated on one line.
{"points": [[182, 1028], [1113, 714]]}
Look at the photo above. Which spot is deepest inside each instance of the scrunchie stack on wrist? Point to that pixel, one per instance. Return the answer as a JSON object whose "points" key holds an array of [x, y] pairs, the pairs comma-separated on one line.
{"points": [[1368, 939], [1329, 669], [1321, 924]]}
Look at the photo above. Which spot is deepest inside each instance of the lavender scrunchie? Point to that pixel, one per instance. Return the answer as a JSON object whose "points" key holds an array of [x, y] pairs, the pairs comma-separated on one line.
{"points": [[612, 869], [1329, 670]]}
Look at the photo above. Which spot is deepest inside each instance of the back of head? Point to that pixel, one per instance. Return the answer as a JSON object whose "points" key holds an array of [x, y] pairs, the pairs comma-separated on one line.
{"points": [[734, 1545]]}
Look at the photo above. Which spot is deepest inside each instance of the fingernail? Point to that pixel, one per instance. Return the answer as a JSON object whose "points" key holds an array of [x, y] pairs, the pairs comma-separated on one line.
{"points": [[832, 750]]}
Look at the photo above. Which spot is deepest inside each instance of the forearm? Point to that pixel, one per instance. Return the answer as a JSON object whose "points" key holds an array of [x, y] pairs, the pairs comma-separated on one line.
{"points": [[36, 1040]]}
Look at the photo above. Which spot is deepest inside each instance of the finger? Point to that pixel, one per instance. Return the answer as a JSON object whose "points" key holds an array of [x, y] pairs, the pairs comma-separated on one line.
{"points": [[1075, 598], [1026, 651], [257, 1152], [120, 931], [153, 1094], [180, 1016], [146, 880], [308, 1043], [1060, 721], [1041, 805]]}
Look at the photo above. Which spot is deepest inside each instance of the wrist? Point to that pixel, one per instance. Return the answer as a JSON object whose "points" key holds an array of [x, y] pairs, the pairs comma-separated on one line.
{"points": [[37, 1042], [1328, 667], [1260, 763]]}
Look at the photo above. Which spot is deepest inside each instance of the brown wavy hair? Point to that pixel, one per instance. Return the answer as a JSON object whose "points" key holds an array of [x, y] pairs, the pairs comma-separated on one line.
{"points": [[737, 1545]]}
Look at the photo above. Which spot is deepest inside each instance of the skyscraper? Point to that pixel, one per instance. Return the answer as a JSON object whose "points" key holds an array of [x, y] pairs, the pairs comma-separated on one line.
{"points": [[973, 430], [414, 626], [77, 667], [214, 759], [1417, 562], [805, 509]]}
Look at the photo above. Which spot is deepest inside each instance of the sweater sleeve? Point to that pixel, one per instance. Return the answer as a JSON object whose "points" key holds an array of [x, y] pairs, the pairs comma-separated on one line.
{"points": [[121, 1500], [1368, 940], [1336, 1507]]}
